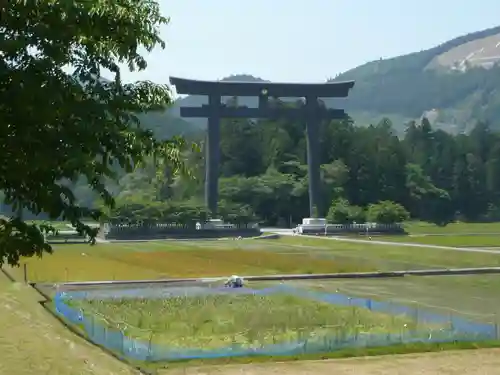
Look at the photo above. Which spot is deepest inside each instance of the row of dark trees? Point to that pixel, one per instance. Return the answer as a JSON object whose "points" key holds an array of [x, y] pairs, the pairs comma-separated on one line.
{"points": [[435, 176]]}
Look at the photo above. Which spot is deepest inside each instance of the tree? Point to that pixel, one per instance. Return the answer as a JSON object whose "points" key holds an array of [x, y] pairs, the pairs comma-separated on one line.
{"points": [[334, 177], [341, 212], [236, 213], [493, 173], [427, 202], [386, 212], [57, 127]]}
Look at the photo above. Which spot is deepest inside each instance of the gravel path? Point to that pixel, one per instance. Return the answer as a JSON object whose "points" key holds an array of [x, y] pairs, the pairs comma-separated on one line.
{"points": [[288, 232], [466, 362]]}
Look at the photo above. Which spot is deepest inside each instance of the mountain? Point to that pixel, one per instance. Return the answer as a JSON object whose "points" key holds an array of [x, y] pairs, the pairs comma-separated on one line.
{"points": [[196, 100], [166, 124], [454, 85]]}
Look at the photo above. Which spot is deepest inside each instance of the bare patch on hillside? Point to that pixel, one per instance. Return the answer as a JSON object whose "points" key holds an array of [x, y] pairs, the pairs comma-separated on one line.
{"points": [[484, 52]]}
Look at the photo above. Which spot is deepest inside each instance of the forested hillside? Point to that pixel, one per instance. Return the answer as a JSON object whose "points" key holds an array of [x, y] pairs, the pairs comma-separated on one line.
{"points": [[434, 175], [408, 86]]}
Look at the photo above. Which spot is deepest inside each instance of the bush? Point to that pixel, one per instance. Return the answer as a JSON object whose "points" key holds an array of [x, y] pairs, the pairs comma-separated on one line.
{"points": [[386, 212], [341, 212]]}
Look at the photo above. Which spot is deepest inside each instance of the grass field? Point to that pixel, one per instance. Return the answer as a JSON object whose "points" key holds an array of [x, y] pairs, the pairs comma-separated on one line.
{"points": [[481, 240], [216, 321], [49, 348], [471, 296], [385, 257], [175, 259], [34, 342], [287, 255], [418, 227]]}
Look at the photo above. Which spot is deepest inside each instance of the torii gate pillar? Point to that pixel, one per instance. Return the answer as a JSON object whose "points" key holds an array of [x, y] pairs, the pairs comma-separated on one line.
{"points": [[312, 113]]}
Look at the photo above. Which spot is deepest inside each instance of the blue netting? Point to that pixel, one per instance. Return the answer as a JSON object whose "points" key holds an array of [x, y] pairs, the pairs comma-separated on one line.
{"points": [[460, 329]]}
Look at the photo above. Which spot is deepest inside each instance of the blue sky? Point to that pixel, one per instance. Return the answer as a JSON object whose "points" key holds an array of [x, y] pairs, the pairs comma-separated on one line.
{"points": [[303, 40]]}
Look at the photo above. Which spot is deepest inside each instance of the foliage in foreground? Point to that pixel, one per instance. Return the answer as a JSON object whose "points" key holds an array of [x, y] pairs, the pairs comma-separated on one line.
{"points": [[58, 127]]}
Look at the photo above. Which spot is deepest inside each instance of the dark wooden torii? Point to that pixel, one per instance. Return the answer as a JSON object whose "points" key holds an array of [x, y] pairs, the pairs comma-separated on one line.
{"points": [[312, 113]]}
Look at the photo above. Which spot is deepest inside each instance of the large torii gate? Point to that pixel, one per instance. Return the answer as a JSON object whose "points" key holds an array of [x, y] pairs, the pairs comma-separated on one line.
{"points": [[311, 112]]}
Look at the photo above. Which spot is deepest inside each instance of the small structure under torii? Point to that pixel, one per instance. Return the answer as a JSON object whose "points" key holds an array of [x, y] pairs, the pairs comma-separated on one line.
{"points": [[311, 112]]}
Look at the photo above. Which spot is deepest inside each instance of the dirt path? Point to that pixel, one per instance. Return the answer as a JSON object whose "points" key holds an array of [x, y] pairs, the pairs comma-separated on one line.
{"points": [[467, 362]]}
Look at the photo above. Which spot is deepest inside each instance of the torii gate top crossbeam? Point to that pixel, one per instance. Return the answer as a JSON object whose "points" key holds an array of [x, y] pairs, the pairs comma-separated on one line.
{"points": [[233, 88]]}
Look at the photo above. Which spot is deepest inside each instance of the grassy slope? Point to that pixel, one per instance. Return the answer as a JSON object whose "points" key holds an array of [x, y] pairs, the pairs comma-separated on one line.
{"points": [[34, 342]]}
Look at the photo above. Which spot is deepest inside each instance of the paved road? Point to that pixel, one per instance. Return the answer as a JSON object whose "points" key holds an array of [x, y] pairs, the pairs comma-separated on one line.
{"points": [[288, 232], [282, 231]]}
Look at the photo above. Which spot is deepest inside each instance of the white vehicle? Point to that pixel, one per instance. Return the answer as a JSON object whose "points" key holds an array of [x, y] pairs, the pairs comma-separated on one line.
{"points": [[311, 225], [234, 282]]}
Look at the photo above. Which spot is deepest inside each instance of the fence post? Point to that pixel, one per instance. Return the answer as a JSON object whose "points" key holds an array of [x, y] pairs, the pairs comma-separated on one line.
{"points": [[391, 313], [417, 315], [123, 341], [25, 271], [369, 304], [496, 326], [150, 346]]}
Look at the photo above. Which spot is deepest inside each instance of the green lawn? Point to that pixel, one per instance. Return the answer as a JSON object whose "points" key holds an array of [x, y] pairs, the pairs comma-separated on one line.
{"points": [[164, 259], [448, 240], [418, 227], [472, 296], [385, 257], [167, 259]]}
